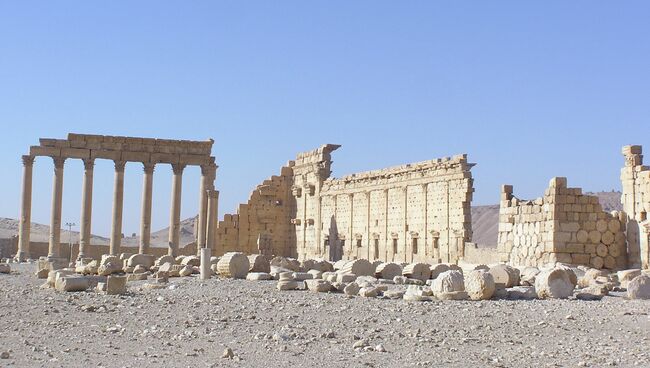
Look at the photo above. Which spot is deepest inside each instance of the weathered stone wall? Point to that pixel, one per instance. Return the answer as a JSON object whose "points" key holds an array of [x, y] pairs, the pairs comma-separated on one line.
{"points": [[563, 226], [416, 212], [262, 225], [635, 179]]}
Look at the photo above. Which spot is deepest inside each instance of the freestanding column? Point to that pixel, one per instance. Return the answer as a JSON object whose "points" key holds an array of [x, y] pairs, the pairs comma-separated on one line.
{"points": [[206, 272], [175, 210], [213, 204], [118, 197], [86, 207], [145, 222], [55, 217], [208, 173], [25, 210]]}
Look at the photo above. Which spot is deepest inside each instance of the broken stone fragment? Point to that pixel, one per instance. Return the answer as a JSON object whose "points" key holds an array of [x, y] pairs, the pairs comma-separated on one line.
{"points": [[234, 265], [625, 276], [388, 270], [418, 271], [318, 286], [359, 267], [291, 285], [145, 260], [369, 292], [116, 285], [258, 263], [71, 283], [186, 271], [639, 287], [479, 285], [351, 289], [504, 274], [448, 282], [258, 276], [554, 284]]}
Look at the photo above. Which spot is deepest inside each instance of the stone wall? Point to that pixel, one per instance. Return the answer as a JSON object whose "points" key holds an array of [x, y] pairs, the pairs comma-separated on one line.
{"points": [[563, 226], [415, 212], [635, 179]]}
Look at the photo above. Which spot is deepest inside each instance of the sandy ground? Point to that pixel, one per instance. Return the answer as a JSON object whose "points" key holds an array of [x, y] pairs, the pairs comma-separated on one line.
{"points": [[190, 323]]}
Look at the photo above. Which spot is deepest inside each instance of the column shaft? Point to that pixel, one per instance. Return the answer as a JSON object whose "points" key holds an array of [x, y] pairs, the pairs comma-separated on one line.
{"points": [[55, 216], [118, 204], [212, 218], [175, 210], [145, 214], [25, 210], [86, 207], [207, 183]]}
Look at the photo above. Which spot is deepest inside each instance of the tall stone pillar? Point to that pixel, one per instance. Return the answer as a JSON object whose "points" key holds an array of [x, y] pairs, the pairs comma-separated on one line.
{"points": [[212, 219], [208, 173], [118, 204], [86, 207], [145, 219], [175, 210], [55, 216], [25, 210]]}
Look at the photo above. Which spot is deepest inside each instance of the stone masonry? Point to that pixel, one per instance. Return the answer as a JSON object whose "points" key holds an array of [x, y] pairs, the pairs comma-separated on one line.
{"points": [[563, 226], [411, 213], [635, 179]]}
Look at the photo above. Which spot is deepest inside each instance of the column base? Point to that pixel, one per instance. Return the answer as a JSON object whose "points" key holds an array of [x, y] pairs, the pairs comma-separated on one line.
{"points": [[21, 256]]}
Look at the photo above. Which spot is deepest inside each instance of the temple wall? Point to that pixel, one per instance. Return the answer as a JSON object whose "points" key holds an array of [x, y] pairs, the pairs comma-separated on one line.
{"points": [[635, 180], [563, 226]]}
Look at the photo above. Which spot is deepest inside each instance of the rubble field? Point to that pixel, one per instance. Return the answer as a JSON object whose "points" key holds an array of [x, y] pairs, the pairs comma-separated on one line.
{"points": [[240, 323]]}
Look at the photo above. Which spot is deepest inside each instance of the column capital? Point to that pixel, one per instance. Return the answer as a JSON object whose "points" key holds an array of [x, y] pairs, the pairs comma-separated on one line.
{"points": [[89, 163], [148, 167], [58, 161], [119, 165], [213, 193], [28, 160], [209, 170], [178, 168]]}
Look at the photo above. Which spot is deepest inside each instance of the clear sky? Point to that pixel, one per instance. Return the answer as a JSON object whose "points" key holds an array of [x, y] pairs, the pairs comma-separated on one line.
{"points": [[530, 90]]}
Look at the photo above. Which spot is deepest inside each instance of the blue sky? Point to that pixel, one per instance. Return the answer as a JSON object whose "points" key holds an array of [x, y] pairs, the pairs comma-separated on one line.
{"points": [[530, 90]]}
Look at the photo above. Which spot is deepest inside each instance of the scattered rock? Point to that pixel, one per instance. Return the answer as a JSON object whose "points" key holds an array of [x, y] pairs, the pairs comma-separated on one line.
{"points": [[479, 285], [554, 284], [639, 287]]}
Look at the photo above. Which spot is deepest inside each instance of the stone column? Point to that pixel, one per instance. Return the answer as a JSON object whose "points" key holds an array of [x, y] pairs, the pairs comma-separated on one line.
{"points": [[55, 217], [408, 252], [212, 219], [352, 240], [118, 204], [208, 173], [25, 210], [145, 219], [206, 272], [86, 207], [175, 210]]}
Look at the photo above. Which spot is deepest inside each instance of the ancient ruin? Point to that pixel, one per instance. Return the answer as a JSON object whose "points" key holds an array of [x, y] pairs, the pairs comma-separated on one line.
{"points": [[146, 151], [635, 180], [418, 212]]}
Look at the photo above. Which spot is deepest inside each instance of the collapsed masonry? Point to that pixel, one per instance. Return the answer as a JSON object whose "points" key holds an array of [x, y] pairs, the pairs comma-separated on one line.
{"points": [[570, 227], [412, 213]]}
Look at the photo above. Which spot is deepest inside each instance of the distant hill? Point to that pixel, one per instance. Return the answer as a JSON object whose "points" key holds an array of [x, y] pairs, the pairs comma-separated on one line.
{"points": [[485, 220]]}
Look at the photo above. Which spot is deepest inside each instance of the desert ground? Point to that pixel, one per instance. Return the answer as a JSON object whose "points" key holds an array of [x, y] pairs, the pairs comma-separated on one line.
{"points": [[191, 322]]}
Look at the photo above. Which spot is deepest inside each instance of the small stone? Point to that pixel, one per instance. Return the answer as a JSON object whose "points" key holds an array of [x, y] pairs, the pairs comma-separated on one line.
{"points": [[4, 355], [228, 354], [380, 348]]}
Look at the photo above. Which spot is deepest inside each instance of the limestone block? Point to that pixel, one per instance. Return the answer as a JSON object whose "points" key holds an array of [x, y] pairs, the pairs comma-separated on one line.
{"points": [[233, 265], [388, 270], [186, 270], [318, 286], [288, 263], [521, 293], [448, 281], [145, 260], [602, 225], [570, 271], [553, 284], [107, 258], [42, 273], [639, 287], [504, 274], [607, 237], [330, 276], [396, 294], [317, 264], [595, 236], [286, 276], [193, 261], [290, 285], [165, 259], [302, 276], [597, 262], [479, 285], [609, 262], [419, 271], [359, 267], [109, 268], [137, 276], [452, 295], [116, 285], [71, 283], [527, 276], [316, 274], [258, 263], [339, 264], [614, 226], [140, 269], [346, 277], [369, 292], [258, 276], [351, 289], [625, 276], [437, 269]]}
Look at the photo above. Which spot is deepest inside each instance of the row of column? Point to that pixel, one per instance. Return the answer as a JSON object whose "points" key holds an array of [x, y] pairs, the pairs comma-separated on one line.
{"points": [[208, 203]]}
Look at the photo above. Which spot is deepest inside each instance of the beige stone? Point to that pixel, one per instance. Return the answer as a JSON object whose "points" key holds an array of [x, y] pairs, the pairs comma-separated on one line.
{"points": [[448, 281], [116, 285], [388, 270], [437, 269], [5, 268], [553, 284], [258, 263], [71, 283], [625, 276], [479, 285], [258, 276], [318, 286], [639, 287], [234, 265], [359, 267], [504, 274]]}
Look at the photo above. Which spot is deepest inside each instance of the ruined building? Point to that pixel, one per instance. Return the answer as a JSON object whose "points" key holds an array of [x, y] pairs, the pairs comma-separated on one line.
{"points": [[415, 212], [635, 179]]}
